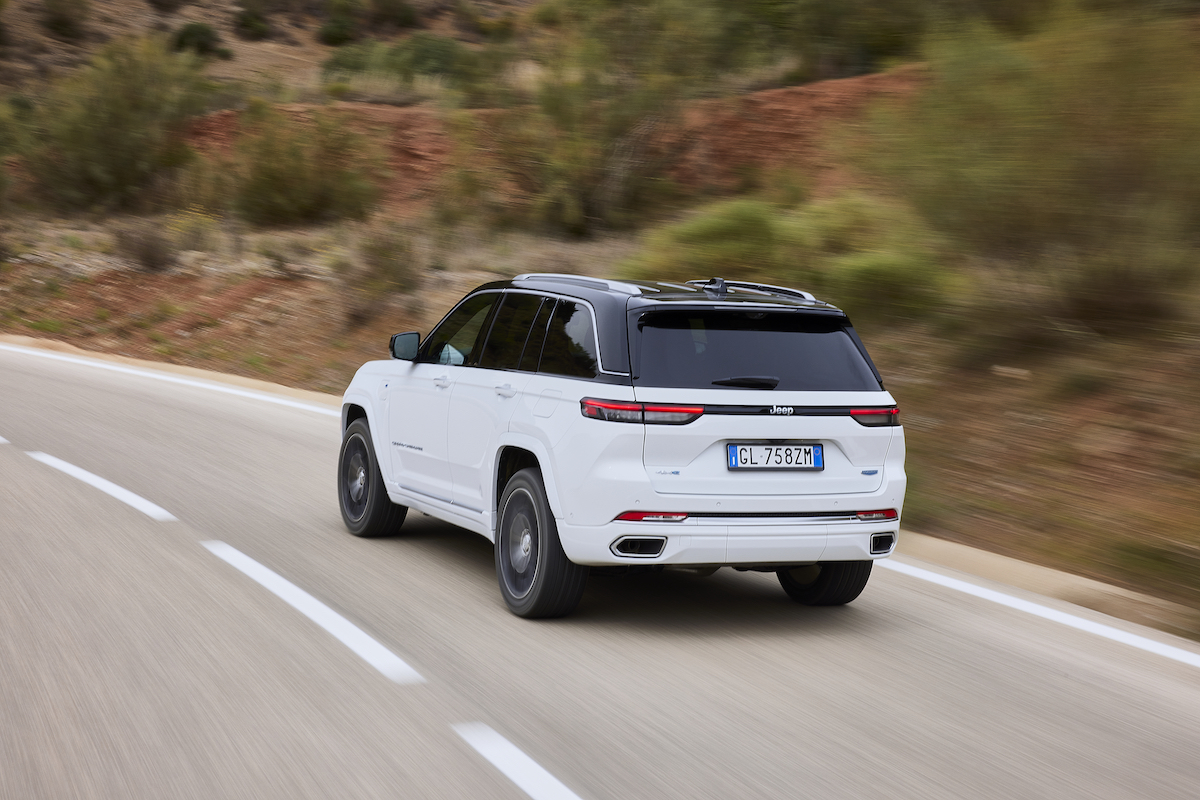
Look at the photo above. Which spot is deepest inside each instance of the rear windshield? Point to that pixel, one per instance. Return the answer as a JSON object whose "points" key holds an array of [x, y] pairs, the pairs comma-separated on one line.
{"points": [[756, 350]]}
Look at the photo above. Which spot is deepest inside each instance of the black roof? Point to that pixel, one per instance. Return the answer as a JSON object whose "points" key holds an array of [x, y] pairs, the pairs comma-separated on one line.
{"points": [[614, 300]]}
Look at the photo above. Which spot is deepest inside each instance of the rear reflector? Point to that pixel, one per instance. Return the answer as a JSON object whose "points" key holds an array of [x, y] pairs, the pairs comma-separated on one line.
{"points": [[884, 515], [652, 516], [876, 417], [649, 413]]}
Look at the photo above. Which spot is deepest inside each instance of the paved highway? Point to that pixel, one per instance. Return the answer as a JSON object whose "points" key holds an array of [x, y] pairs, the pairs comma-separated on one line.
{"points": [[182, 615]]}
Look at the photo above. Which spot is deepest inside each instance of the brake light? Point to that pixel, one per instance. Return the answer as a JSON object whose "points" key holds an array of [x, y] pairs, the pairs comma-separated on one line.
{"points": [[652, 516], [649, 413], [884, 515], [876, 417]]}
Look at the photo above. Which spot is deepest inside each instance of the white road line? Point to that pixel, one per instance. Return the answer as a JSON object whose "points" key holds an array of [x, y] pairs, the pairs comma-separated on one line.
{"points": [[334, 623], [3, 440], [1070, 620], [517, 767], [162, 376], [108, 487]]}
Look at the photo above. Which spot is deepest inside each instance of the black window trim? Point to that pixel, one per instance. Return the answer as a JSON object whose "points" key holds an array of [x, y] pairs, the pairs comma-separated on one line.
{"points": [[555, 296], [487, 324]]}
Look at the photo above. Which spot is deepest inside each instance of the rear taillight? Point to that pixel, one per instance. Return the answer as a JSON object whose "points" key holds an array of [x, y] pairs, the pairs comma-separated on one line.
{"points": [[876, 417], [611, 410], [884, 515], [649, 413], [652, 516]]}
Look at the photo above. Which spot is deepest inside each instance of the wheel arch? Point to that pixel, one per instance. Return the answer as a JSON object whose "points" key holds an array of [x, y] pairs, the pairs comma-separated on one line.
{"points": [[514, 455]]}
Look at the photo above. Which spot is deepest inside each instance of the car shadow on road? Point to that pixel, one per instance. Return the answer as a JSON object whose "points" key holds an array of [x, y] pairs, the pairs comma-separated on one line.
{"points": [[726, 603]]}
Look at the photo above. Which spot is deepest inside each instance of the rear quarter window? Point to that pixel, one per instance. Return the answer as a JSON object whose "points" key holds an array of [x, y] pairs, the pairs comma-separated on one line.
{"points": [[708, 350]]}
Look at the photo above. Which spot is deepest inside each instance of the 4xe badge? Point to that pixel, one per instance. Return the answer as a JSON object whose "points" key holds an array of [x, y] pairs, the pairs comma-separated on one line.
{"points": [[785, 410]]}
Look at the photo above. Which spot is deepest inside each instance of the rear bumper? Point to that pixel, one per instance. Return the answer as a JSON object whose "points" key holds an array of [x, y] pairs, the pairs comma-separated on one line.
{"points": [[732, 542]]}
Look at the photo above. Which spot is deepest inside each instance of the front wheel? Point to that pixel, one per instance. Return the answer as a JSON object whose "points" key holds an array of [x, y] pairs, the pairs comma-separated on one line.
{"points": [[830, 583], [536, 577], [366, 508]]}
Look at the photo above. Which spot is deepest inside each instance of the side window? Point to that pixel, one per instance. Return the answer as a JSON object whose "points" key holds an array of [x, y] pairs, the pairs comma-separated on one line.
{"points": [[537, 338], [455, 339], [514, 318], [570, 342]]}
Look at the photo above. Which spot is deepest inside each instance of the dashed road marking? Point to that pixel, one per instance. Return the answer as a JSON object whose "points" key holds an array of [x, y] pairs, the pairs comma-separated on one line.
{"points": [[1045, 612], [334, 623], [108, 487], [516, 766]]}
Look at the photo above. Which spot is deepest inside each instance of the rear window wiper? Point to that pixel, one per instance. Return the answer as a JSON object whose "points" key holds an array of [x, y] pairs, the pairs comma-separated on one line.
{"points": [[750, 381]]}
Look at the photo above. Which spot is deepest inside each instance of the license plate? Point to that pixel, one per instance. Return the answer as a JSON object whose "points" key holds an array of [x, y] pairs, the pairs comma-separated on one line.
{"points": [[775, 456]]}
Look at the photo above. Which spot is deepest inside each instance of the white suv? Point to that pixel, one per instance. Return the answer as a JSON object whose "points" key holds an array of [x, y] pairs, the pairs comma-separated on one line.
{"points": [[583, 423]]}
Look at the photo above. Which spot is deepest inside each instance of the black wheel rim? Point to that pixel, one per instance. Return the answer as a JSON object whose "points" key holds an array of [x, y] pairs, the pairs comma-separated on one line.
{"points": [[356, 478], [518, 545]]}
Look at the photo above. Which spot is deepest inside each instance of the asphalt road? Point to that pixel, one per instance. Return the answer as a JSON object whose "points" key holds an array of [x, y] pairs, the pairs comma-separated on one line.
{"points": [[135, 663]]}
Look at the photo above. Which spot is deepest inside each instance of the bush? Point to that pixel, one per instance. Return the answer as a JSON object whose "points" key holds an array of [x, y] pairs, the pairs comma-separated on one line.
{"points": [[385, 266], [598, 139], [420, 54], [106, 133], [397, 13], [147, 244], [198, 37], [251, 24], [289, 172], [167, 6], [1073, 155], [66, 18], [342, 26], [874, 259]]}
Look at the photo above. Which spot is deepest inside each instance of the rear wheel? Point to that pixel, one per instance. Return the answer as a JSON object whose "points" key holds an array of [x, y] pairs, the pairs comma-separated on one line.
{"points": [[536, 577], [831, 583], [366, 509]]}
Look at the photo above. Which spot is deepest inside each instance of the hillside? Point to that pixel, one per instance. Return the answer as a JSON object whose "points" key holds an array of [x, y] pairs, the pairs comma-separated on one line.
{"points": [[1072, 453]]}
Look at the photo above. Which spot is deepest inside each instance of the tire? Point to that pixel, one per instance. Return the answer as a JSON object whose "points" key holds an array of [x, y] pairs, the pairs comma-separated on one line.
{"points": [[831, 583], [536, 577], [364, 502]]}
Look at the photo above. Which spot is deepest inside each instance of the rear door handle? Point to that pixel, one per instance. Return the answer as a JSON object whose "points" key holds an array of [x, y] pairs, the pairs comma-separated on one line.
{"points": [[442, 380], [506, 390]]}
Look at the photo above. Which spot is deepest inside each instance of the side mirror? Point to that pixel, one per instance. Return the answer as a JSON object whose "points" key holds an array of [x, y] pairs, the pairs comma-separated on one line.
{"points": [[404, 345]]}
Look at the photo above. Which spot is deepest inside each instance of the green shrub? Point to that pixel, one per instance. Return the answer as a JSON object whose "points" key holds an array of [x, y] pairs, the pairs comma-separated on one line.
{"points": [[146, 243], [106, 133], [251, 24], [292, 172], [397, 13], [388, 257], [874, 259], [596, 142], [342, 26], [420, 54], [198, 37], [1073, 155], [167, 6], [66, 18]]}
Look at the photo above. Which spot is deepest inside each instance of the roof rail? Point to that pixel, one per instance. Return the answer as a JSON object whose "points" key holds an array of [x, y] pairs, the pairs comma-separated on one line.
{"points": [[762, 287], [580, 280]]}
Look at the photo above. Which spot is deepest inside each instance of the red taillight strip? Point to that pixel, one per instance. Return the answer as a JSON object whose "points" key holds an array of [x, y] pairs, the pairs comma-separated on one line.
{"points": [[612, 405], [652, 516], [883, 515], [647, 413], [876, 417], [675, 409]]}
